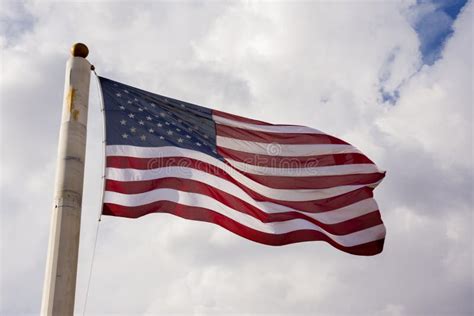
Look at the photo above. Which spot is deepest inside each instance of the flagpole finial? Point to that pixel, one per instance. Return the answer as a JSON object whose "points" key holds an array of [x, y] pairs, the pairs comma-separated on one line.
{"points": [[79, 50]]}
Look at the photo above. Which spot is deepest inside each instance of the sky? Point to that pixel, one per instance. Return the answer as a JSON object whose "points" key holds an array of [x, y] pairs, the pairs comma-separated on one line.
{"points": [[393, 78]]}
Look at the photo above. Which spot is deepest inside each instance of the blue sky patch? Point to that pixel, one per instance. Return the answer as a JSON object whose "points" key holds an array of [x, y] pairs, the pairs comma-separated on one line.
{"points": [[433, 23]]}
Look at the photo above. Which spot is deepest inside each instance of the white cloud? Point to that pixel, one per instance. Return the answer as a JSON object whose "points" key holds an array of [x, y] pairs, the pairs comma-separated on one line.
{"points": [[435, 109], [319, 64]]}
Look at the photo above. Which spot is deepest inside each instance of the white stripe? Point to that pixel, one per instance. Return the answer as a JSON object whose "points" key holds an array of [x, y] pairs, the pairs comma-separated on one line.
{"points": [[331, 217], [305, 172], [266, 128], [199, 200], [126, 174], [171, 151], [284, 150]]}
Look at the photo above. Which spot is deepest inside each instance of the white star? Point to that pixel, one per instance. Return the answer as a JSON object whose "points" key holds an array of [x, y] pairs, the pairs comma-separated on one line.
{"points": [[118, 94], [169, 132], [167, 123], [140, 109], [205, 136], [126, 91], [159, 124], [131, 115], [214, 151], [133, 130], [178, 130], [141, 122], [153, 105], [136, 100], [198, 144], [151, 130], [143, 137], [125, 135], [182, 105], [123, 122], [162, 114], [161, 137], [165, 100], [180, 140], [148, 117], [129, 101], [187, 136], [122, 107]]}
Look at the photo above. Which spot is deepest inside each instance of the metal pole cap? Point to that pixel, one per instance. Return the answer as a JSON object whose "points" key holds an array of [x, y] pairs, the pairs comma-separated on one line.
{"points": [[79, 50]]}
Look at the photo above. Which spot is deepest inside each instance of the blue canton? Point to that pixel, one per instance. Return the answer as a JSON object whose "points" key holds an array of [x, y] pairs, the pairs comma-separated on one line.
{"points": [[140, 118]]}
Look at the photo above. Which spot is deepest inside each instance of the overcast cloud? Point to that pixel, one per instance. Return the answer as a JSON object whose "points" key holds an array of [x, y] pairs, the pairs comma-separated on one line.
{"points": [[393, 78]]}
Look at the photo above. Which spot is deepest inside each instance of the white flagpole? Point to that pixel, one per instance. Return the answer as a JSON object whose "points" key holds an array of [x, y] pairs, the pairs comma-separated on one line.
{"points": [[61, 266]]}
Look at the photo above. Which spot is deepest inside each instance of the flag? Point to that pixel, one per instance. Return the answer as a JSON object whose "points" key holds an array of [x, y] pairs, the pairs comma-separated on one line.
{"points": [[273, 184]]}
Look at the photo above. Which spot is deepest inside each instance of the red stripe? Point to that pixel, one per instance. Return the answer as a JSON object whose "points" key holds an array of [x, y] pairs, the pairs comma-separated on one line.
{"points": [[315, 182], [248, 120], [280, 138], [293, 162], [238, 118], [343, 228], [306, 206], [205, 215], [277, 182]]}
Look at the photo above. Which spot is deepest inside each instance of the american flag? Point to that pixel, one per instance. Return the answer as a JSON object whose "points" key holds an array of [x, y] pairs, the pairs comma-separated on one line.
{"points": [[273, 184]]}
